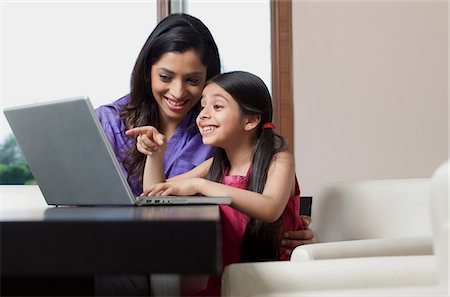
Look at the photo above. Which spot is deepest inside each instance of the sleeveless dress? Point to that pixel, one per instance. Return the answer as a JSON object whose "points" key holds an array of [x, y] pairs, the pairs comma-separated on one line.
{"points": [[233, 227]]}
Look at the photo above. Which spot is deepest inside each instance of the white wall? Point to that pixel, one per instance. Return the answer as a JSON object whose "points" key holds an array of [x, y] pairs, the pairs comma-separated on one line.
{"points": [[370, 89]]}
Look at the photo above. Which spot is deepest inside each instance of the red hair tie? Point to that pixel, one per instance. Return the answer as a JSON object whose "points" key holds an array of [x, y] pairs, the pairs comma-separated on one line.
{"points": [[268, 125]]}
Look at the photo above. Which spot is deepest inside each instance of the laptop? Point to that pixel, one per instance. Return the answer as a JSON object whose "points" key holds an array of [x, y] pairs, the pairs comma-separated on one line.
{"points": [[71, 159]]}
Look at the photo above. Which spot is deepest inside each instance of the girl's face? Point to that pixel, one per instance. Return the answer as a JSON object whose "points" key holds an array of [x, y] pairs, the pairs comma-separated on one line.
{"points": [[177, 82], [220, 121]]}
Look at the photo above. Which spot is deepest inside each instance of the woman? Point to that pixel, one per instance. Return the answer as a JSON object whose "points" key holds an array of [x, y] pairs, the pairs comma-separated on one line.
{"points": [[166, 84], [177, 59]]}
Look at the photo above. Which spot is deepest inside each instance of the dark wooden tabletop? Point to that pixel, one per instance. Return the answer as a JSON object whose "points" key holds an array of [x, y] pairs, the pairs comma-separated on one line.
{"points": [[100, 240]]}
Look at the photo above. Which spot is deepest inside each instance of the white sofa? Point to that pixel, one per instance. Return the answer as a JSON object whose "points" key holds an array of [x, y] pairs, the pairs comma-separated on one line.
{"points": [[370, 218], [417, 274]]}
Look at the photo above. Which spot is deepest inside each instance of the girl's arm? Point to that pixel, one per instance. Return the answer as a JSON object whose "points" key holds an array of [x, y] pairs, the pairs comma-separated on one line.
{"points": [[153, 144], [199, 171], [150, 180], [153, 170], [150, 142], [268, 206]]}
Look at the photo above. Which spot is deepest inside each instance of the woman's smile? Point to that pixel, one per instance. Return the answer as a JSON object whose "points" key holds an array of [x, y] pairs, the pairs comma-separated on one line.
{"points": [[176, 105], [177, 82]]}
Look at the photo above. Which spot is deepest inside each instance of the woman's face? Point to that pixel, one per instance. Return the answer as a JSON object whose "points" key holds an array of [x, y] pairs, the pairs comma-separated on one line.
{"points": [[177, 83]]}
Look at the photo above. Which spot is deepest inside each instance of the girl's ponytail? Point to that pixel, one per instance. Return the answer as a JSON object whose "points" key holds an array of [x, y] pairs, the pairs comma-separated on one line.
{"points": [[261, 240]]}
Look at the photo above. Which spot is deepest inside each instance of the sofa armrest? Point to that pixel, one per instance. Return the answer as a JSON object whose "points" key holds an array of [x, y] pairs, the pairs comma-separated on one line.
{"points": [[417, 245], [301, 279]]}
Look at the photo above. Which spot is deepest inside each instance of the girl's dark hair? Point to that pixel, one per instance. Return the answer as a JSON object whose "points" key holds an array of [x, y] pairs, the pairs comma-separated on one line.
{"points": [[261, 240], [176, 33]]}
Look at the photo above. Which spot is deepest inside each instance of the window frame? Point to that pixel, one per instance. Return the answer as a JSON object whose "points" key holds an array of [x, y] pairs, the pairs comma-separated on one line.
{"points": [[282, 83]]}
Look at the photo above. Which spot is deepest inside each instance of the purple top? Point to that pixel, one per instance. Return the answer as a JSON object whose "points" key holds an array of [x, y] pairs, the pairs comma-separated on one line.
{"points": [[184, 151]]}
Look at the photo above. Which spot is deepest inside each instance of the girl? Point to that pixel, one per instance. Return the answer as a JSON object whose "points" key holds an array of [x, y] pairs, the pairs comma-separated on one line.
{"points": [[250, 165]]}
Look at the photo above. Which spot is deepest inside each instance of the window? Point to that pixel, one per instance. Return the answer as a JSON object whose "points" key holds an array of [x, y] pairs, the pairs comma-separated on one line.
{"points": [[52, 50], [253, 35], [242, 33]]}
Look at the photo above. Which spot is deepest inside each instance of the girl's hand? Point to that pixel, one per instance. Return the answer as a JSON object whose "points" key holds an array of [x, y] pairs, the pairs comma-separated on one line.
{"points": [[149, 141], [183, 187]]}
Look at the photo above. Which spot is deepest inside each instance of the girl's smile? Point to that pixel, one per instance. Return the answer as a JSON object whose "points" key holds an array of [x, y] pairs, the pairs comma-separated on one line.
{"points": [[205, 130], [220, 121]]}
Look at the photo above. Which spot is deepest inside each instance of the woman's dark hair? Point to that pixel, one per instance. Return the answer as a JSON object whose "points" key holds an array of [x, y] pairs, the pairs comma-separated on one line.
{"points": [[261, 240], [176, 33]]}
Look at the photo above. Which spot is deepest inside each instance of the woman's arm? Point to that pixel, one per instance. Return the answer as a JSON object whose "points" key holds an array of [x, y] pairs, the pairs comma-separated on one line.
{"points": [[295, 238], [267, 206]]}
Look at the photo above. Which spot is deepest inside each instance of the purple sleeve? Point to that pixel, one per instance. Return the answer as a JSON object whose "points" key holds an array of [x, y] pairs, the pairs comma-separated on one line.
{"points": [[113, 126], [192, 155], [185, 149]]}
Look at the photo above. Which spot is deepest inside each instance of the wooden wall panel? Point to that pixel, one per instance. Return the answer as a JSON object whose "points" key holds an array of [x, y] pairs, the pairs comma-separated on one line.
{"points": [[282, 89]]}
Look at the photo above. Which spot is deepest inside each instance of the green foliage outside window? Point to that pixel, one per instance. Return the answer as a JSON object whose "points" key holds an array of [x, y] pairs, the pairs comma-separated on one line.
{"points": [[14, 169]]}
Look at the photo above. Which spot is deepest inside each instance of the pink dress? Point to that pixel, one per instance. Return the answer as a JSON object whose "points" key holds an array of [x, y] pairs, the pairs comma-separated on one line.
{"points": [[233, 227]]}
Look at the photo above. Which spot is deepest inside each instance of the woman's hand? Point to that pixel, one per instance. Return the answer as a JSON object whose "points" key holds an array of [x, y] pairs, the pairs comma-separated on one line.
{"points": [[293, 239], [182, 187], [149, 141]]}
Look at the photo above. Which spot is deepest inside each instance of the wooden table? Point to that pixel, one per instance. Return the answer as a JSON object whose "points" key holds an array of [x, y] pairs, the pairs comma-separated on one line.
{"points": [[38, 241]]}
